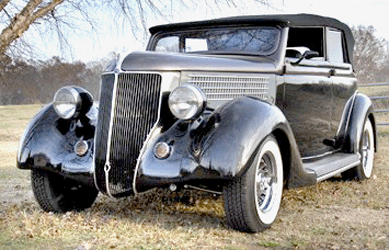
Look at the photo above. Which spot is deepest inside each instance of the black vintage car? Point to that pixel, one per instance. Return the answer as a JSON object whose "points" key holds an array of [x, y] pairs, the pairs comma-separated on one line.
{"points": [[245, 106]]}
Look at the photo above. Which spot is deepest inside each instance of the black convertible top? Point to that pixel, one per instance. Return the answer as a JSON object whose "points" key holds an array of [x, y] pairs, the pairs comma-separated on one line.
{"points": [[285, 20]]}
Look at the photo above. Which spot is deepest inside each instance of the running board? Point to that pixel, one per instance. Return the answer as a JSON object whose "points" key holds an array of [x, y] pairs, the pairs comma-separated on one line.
{"points": [[332, 165]]}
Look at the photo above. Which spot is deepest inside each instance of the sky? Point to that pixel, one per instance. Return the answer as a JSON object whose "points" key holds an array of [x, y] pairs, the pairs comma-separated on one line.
{"points": [[116, 38]]}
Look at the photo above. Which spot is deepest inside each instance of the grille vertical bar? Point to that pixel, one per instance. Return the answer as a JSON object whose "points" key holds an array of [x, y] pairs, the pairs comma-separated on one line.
{"points": [[134, 114]]}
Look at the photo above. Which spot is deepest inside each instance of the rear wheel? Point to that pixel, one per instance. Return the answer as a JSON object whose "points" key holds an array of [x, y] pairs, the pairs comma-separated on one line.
{"points": [[252, 201], [367, 150], [54, 193]]}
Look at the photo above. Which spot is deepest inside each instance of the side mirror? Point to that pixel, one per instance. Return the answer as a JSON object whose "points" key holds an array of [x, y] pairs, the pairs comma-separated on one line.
{"points": [[310, 54], [307, 55]]}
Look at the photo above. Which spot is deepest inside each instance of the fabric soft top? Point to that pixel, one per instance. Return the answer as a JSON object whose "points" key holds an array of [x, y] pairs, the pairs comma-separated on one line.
{"points": [[291, 20]]}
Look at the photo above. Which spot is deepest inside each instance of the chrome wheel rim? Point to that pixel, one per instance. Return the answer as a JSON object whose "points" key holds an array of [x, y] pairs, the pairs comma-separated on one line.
{"points": [[265, 183], [268, 182], [367, 150]]}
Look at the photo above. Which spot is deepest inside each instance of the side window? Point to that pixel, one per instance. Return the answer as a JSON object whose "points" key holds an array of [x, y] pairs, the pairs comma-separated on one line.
{"points": [[335, 50], [168, 44], [173, 44], [305, 38]]}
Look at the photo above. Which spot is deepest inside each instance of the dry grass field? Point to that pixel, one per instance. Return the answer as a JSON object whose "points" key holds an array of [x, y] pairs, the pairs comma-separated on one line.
{"points": [[331, 215]]}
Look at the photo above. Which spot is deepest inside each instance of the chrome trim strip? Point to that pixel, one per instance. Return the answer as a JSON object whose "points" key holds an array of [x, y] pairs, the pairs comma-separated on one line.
{"points": [[94, 140], [235, 88], [202, 189], [107, 166], [153, 133], [319, 156], [169, 81]]}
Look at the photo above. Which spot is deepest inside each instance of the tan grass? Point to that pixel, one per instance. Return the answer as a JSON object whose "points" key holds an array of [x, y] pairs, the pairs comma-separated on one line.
{"points": [[374, 90]]}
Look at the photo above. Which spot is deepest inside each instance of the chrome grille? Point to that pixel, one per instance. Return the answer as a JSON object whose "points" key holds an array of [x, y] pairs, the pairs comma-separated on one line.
{"points": [[135, 112], [220, 89]]}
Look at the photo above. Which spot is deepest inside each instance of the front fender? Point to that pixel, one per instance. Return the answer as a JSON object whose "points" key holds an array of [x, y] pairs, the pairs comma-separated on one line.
{"points": [[244, 124], [48, 143], [221, 149]]}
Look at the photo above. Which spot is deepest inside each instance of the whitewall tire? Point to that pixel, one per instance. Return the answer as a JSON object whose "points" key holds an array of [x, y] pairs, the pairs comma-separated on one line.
{"points": [[252, 201]]}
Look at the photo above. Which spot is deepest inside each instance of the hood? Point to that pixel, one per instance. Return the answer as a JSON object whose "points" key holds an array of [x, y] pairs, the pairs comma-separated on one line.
{"points": [[154, 61]]}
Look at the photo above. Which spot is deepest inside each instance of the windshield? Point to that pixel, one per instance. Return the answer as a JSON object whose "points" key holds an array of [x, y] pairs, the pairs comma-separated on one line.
{"points": [[246, 40]]}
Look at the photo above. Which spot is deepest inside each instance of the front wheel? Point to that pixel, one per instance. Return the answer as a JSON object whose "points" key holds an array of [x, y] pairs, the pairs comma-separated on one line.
{"points": [[56, 194], [252, 200]]}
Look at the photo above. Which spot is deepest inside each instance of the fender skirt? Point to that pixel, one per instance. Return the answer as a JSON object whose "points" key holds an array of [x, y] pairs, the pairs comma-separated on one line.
{"points": [[220, 146], [48, 143]]}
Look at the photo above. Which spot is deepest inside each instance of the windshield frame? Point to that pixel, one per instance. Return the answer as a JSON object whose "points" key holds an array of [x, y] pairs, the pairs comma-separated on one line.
{"points": [[157, 36]]}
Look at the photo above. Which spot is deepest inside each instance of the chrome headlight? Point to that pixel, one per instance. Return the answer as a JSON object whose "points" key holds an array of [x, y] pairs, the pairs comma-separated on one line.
{"points": [[187, 102], [71, 101]]}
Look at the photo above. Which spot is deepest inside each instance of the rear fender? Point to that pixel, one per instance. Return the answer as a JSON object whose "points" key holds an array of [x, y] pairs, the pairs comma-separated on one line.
{"points": [[351, 130]]}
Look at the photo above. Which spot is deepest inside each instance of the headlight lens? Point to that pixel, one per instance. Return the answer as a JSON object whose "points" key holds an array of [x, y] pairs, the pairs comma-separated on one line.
{"points": [[187, 102], [72, 101], [66, 102]]}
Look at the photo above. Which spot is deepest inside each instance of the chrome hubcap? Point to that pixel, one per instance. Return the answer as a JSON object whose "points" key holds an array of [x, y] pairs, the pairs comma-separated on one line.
{"points": [[365, 149], [367, 152], [265, 183]]}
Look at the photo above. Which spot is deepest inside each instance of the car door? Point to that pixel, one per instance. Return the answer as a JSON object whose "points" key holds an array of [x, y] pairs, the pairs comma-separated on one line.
{"points": [[307, 91], [344, 83]]}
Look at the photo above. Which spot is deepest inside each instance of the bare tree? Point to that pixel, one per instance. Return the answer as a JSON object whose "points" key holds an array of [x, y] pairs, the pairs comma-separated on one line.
{"points": [[36, 82], [370, 54], [16, 17], [55, 21]]}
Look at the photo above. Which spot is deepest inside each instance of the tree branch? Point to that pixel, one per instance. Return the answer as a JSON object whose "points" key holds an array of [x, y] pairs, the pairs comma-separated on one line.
{"points": [[24, 13], [44, 10], [3, 3], [22, 21]]}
